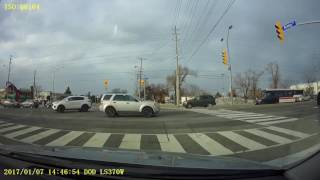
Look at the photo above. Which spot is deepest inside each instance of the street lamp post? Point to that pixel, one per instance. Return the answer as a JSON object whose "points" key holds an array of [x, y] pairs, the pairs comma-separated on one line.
{"points": [[229, 63], [228, 50]]}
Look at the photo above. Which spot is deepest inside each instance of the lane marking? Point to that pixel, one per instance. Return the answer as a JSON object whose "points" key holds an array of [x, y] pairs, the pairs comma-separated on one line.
{"points": [[39, 136], [243, 141], [65, 139], [169, 146], [97, 140], [11, 128], [131, 141], [21, 132], [289, 131], [269, 136], [210, 145], [280, 121]]}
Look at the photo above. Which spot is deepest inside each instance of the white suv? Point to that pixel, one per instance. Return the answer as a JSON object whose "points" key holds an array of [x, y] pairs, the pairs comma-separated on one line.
{"points": [[115, 104], [81, 103]]}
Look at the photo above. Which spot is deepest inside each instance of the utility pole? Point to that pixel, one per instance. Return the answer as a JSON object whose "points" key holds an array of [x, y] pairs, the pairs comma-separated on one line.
{"points": [[34, 85], [177, 69], [140, 77], [9, 71], [52, 95]]}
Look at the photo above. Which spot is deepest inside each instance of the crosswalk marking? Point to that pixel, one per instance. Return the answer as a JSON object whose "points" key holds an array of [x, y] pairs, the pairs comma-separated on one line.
{"points": [[242, 115], [255, 117], [265, 119], [213, 147], [11, 128], [65, 139], [6, 124], [171, 145], [131, 141], [243, 141], [269, 136], [288, 131], [280, 121], [39, 136], [24, 131], [97, 140], [249, 117]]}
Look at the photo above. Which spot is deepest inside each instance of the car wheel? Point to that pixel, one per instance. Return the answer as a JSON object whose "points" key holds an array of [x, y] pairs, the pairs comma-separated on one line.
{"points": [[84, 108], [147, 111], [189, 106], [61, 109], [111, 112]]}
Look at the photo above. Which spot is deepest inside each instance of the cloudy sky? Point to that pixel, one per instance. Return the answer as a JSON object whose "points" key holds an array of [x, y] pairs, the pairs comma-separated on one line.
{"points": [[86, 42]]}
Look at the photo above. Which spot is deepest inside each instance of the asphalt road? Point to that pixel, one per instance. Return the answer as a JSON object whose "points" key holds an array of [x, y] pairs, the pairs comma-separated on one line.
{"points": [[265, 133]]}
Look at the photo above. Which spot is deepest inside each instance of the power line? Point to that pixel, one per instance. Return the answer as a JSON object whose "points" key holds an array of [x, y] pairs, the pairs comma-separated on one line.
{"points": [[211, 31]]}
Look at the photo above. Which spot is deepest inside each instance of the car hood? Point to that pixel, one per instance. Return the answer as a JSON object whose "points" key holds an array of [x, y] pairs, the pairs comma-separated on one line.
{"points": [[138, 157]]}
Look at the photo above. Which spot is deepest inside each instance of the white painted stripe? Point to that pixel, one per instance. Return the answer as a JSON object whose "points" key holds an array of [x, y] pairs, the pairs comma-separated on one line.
{"points": [[276, 122], [97, 140], [65, 139], [255, 117], [210, 145], [243, 141], [265, 119], [288, 131], [2, 121], [244, 117], [21, 132], [241, 114], [11, 128], [39, 136], [131, 141], [269, 136], [171, 145], [6, 124]]}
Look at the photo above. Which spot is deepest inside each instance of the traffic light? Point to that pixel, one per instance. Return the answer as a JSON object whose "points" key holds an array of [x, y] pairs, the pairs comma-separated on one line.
{"points": [[279, 30], [224, 57]]}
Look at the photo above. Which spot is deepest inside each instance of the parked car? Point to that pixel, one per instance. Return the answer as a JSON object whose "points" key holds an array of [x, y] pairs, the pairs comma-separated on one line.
{"points": [[81, 103], [10, 103], [27, 104], [116, 104], [200, 101]]}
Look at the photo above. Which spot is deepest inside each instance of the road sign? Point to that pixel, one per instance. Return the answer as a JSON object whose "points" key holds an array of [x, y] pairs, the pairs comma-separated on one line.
{"points": [[106, 83], [289, 25]]}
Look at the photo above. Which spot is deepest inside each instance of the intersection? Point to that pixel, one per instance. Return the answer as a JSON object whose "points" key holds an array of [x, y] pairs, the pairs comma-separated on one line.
{"points": [[246, 132]]}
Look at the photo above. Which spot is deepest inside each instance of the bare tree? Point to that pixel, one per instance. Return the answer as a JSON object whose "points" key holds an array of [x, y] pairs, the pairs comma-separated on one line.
{"points": [[243, 82], [254, 78], [156, 92], [273, 68], [184, 72]]}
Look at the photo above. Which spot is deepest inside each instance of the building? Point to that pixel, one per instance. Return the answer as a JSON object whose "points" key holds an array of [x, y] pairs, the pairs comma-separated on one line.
{"points": [[313, 87]]}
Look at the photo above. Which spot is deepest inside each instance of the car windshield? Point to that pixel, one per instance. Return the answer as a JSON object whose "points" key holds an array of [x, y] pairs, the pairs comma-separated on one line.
{"points": [[216, 79]]}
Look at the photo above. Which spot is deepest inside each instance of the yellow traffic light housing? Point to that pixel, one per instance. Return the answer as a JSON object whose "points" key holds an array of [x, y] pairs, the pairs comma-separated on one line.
{"points": [[279, 30], [224, 57]]}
